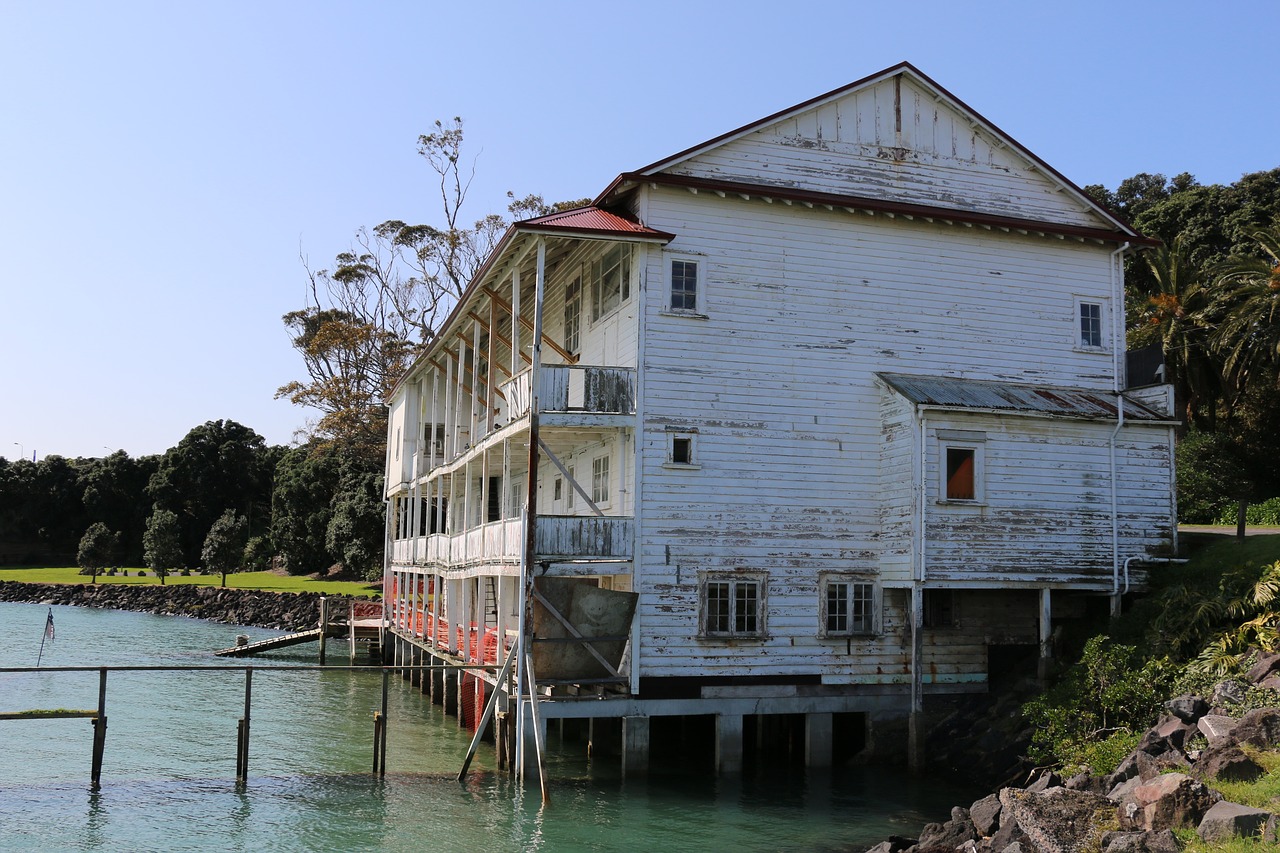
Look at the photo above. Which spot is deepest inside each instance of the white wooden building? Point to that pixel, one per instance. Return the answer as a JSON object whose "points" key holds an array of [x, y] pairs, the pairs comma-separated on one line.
{"points": [[838, 397]]}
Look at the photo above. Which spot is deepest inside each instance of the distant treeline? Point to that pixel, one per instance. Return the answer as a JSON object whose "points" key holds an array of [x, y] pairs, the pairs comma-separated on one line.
{"points": [[305, 508], [1209, 298]]}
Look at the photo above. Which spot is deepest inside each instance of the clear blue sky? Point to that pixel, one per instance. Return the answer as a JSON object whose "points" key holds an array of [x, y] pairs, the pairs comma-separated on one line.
{"points": [[162, 165]]}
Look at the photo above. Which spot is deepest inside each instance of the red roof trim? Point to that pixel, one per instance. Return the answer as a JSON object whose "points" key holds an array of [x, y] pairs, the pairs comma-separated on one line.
{"points": [[881, 206], [592, 221], [889, 72]]}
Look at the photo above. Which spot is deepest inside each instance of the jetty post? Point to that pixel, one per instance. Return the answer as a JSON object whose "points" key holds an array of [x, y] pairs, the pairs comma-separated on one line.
{"points": [[99, 730], [324, 624]]}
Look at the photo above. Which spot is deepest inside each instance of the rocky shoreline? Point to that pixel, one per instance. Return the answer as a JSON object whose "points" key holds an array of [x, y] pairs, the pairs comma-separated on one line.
{"points": [[1162, 785], [281, 611]]}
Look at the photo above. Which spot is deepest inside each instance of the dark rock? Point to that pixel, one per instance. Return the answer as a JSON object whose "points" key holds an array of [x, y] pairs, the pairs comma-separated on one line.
{"points": [[1057, 820], [985, 814], [1169, 734], [894, 844], [1171, 801], [1267, 663], [1260, 727], [1228, 693], [1228, 763], [1044, 781], [1226, 820], [1188, 707], [1163, 841], [951, 834], [1139, 764]]}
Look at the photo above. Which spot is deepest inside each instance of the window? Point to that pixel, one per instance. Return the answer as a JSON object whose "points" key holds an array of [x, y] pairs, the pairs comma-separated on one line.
{"points": [[684, 285], [1090, 324], [960, 473], [569, 497], [847, 606], [600, 479], [939, 608], [680, 449], [559, 489], [733, 607], [610, 281], [573, 316], [961, 461]]}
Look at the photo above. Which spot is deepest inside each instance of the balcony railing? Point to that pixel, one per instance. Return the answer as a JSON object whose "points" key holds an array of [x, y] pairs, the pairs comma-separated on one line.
{"points": [[563, 537], [574, 388]]}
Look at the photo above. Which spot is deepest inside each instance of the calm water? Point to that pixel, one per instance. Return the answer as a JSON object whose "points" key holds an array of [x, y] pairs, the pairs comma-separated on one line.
{"points": [[168, 775]]}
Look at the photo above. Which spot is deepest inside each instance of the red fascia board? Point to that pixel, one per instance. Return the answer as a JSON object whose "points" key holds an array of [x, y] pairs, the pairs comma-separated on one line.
{"points": [[648, 235], [881, 206]]}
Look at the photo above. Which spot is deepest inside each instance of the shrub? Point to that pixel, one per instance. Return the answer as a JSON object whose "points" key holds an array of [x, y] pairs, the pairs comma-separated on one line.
{"points": [[1100, 704], [1265, 513]]}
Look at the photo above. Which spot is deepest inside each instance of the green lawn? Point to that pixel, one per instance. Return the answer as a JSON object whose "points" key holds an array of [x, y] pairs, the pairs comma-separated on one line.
{"points": [[243, 580]]}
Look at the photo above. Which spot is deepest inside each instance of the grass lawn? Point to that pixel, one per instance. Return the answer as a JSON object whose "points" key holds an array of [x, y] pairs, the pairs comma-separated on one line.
{"points": [[269, 581]]}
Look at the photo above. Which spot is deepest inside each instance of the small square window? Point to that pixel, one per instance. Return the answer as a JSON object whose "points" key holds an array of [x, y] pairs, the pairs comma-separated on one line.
{"points": [[681, 449], [600, 479], [732, 607], [1091, 325]]}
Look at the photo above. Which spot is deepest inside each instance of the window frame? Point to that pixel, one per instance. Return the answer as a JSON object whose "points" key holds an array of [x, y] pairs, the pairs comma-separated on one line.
{"points": [[600, 480], [1079, 344], [572, 331], [871, 624], [674, 436], [602, 305], [964, 440], [733, 581], [699, 286]]}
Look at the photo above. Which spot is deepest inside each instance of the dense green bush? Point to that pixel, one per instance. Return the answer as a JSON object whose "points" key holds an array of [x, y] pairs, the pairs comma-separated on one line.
{"points": [[1265, 513], [1097, 710]]}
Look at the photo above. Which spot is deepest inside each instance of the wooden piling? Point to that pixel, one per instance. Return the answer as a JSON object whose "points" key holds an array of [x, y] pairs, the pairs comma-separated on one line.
{"points": [[242, 739], [99, 730], [382, 744], [324, 624]]}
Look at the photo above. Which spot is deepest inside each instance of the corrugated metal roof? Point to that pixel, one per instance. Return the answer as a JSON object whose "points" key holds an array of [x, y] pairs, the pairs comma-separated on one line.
{"points": [[978, 394], [591, 220]]}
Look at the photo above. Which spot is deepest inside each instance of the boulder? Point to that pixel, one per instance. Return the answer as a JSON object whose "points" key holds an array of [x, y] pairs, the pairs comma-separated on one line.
{"points": [[1228, 693], [893, 844], [1260, 727], [1171, 801], [1216, 728], [1123, 790], [1225, 821], [1228, 763], [1171, 733], [1137, 764], [1163, 841], [1267, 663], [985, 814], [1045, 780], [1086, 781], [1188, 707], [1057, 820], [950, 835]]}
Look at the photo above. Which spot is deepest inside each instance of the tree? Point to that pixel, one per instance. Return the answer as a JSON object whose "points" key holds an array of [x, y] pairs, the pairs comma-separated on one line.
{"points": [[216, 465], [306, 480], [97, 546], [356, 526], [1172, 316], [224, 547], [1247, 307], [114, 492], [161, 543]]}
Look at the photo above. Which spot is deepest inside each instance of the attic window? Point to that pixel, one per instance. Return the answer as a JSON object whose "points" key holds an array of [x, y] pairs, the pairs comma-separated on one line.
{"points": [[610, 281], [960, 473], [961, 466]]}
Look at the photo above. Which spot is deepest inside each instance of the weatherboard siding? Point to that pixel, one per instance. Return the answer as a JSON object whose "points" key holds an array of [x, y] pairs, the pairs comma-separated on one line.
{"points": [[855, 145], [803, 467]]}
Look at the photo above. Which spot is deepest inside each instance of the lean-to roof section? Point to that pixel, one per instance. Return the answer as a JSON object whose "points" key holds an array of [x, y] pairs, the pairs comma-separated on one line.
{"points": [[896, 138], [581, 223], [972, 394]]}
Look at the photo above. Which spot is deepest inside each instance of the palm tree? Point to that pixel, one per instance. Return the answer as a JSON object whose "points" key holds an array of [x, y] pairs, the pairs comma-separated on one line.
{"points": [[1173, 316], [1246, 305]]}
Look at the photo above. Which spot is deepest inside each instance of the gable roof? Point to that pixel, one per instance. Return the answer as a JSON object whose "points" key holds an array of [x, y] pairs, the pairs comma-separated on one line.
{"points": [[676, 167]]}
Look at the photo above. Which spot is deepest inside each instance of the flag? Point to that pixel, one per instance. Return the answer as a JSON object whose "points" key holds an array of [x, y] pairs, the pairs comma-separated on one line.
{"points": [[48, 625]]}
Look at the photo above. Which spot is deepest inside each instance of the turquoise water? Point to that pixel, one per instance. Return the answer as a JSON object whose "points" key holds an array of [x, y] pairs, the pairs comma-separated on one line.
{"points": [[168, 775]]}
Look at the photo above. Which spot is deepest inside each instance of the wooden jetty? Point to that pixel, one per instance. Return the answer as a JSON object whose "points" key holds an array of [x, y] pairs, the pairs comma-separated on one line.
{"points": [[364, 624]]}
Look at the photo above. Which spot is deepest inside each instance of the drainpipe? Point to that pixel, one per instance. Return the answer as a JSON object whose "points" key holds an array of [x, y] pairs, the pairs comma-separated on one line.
{"points": [[1117, 342]]}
